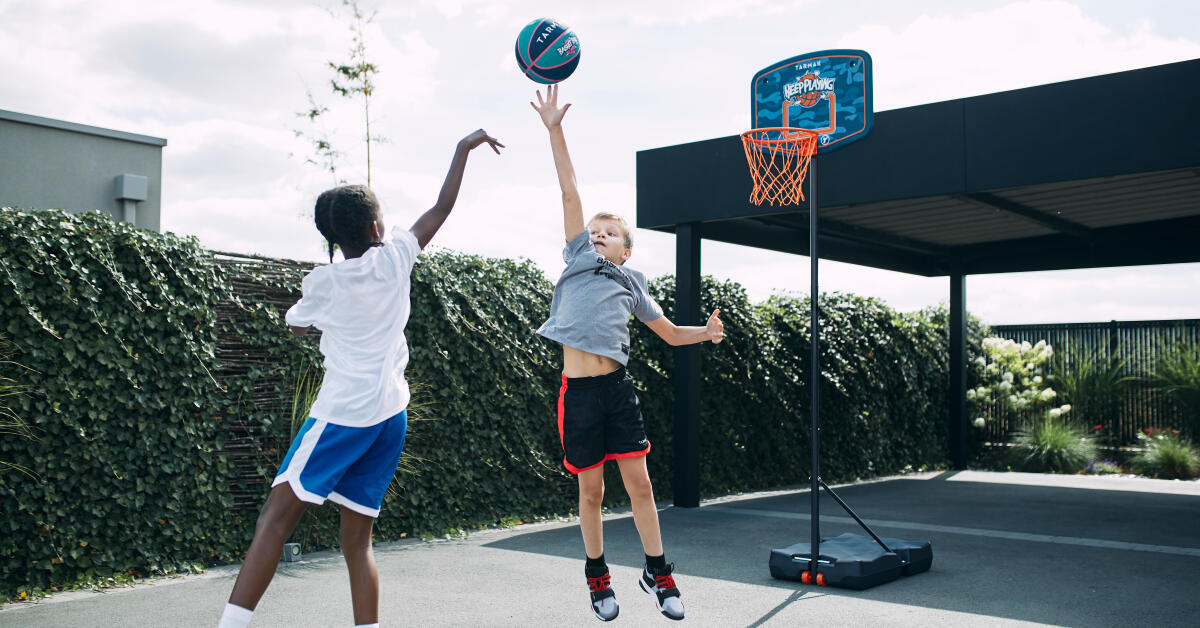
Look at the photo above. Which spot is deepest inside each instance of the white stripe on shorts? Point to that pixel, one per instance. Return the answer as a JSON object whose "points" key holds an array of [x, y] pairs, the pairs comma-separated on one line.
{"points": [[291, 475], [338, 498]]}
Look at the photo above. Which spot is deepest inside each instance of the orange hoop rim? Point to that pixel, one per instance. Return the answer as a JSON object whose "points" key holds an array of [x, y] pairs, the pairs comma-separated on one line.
{"points": [[774, 137]]}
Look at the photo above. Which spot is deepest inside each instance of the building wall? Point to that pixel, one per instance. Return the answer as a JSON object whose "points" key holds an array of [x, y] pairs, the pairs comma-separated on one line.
{"points": [[52, 164]]}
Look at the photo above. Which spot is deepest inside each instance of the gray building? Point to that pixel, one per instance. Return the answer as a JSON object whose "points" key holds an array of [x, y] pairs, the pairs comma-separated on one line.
{"points": [[52, 164]]}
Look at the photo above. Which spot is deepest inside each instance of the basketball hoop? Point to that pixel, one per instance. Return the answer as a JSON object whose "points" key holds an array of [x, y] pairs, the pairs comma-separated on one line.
{"points": [[778, 159]]}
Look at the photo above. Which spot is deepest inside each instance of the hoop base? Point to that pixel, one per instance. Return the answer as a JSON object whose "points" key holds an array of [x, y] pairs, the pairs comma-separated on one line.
{"points": [[778, 158]]}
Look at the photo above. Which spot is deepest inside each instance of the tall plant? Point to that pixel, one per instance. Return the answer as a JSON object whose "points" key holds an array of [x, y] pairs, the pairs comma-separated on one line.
{"points": [[11, 423], [1094, 385], [1177, 374], [304, 393]]}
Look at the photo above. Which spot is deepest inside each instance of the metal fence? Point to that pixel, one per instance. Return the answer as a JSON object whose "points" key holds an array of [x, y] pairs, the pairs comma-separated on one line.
{"points": [[1139, 343]]}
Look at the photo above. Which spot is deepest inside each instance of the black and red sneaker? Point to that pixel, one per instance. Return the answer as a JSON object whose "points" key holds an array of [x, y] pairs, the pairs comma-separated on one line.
{"points": [[604, 600], [662, 585]]}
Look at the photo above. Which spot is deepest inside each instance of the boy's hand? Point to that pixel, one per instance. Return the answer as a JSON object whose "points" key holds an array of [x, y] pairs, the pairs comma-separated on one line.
{"points": [[715, 328], [548, 107], [478, 137]]}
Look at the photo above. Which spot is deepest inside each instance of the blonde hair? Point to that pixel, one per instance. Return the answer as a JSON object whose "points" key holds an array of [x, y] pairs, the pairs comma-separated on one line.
{"points": [[625, 230]]}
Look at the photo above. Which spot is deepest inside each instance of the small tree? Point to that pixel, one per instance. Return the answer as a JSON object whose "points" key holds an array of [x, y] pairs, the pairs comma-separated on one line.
{"points": [[351, 78], [324, 155], [355, 74]]}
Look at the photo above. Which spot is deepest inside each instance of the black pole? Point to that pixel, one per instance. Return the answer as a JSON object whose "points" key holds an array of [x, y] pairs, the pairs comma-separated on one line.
{"points": [[957, 431], [814, 376], [687, 368]]}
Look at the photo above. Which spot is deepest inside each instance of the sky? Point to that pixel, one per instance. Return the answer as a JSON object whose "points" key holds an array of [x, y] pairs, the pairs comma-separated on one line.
{"points": [[223, 82]]}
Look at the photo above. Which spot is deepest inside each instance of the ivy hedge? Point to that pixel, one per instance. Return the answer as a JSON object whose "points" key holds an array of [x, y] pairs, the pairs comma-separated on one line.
{"points": [[160, 379]]}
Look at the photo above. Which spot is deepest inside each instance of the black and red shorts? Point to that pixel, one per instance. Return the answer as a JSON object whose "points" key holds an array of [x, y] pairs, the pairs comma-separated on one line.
{"points": [[599, 419]]}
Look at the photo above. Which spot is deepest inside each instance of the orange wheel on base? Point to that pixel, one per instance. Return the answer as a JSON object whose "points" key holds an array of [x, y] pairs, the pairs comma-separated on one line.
{"points": [[821, 580], [806, 577]]}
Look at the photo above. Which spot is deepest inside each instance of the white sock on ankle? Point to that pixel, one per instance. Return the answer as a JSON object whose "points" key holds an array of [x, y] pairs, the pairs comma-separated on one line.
{"points": [[235, 617]]}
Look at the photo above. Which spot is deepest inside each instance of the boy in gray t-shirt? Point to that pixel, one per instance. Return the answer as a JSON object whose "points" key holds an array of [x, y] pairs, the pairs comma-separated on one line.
{"points": [[599, 415]]}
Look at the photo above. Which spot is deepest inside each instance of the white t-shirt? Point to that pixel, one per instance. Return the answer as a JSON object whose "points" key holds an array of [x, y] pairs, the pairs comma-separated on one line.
{"points": [[361, 307]]}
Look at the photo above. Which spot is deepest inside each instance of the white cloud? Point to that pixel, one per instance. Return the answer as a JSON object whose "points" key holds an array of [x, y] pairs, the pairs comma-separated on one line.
{"points": [[940, 57]]}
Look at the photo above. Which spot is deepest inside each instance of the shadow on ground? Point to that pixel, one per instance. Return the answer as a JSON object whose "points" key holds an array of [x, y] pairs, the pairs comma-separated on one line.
{"points": [[1107, 554]]}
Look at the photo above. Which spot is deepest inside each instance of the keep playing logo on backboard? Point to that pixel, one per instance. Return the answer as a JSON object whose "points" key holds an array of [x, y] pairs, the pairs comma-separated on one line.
{"points": [[808, 90], [827, 91]]}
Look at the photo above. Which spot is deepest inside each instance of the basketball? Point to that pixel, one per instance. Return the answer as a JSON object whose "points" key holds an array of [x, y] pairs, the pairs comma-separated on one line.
{"points": [[809, 99], [547, 51]]}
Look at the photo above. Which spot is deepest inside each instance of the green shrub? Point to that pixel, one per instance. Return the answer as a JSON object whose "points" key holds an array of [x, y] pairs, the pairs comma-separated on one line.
{"points": [[883, 390], [1166, 455], [1052, 444], [118, 329], [1011, 382]]}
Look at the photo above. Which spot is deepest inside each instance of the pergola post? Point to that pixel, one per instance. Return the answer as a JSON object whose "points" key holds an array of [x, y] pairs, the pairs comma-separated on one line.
{"points": [[958, 370], [687, 367]]}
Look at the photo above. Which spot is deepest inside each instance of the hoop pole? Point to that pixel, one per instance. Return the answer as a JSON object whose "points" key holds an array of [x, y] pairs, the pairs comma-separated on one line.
{"points": [[814, 545]]}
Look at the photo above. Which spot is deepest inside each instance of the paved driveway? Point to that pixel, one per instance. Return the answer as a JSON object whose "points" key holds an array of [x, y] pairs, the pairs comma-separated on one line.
{"points": [[1009, 549]]}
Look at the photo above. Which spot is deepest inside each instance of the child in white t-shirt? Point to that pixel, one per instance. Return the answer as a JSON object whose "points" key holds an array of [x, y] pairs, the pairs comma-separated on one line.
{"points": [[348, 448]]}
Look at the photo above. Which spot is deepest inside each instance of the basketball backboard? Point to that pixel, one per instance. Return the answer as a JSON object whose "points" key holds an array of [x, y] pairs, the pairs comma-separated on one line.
{"points": [[828, 92]]}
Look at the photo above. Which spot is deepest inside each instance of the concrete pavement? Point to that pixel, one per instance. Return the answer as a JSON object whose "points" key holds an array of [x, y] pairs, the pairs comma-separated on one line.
{"points": [[1009, 549]]}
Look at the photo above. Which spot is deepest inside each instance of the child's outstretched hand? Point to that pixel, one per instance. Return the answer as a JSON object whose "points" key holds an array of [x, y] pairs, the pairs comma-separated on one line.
{"points": [[478, 137], [548, 107], [715, 328]]}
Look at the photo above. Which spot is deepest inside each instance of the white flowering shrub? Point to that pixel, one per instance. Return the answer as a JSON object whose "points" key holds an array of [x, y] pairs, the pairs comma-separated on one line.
{"points": [[1012, 382]]}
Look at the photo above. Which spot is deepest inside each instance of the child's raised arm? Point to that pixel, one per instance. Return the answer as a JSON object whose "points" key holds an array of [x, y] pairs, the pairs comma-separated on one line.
{"points": [[429, 222], [552, 116], [675, 335]]}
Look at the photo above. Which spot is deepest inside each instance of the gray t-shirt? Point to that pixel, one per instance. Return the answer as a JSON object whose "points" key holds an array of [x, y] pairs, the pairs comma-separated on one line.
{"points": [[593, 300]]}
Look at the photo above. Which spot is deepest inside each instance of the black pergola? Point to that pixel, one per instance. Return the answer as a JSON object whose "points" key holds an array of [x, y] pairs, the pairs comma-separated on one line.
{"points": [[1095, 172]]}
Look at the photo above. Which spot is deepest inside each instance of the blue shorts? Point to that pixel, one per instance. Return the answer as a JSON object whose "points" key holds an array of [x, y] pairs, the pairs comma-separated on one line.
{"points": [[351, 466]]}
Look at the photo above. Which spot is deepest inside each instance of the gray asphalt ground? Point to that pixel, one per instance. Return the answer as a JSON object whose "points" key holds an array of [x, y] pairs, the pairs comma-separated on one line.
{"points": [[1009, 549]]}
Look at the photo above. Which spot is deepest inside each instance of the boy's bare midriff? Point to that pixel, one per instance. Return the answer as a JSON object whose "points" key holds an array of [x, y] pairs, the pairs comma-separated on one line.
{"points": [[578, 363]]}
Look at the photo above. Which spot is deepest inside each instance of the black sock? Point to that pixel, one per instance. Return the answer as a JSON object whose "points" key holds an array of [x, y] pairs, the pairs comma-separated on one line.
{"points": [[656, 563], [595, 566]]}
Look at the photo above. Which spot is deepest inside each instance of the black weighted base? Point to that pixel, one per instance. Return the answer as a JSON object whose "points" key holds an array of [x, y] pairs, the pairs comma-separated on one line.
{"points": [[854, 561], [916, 556]]}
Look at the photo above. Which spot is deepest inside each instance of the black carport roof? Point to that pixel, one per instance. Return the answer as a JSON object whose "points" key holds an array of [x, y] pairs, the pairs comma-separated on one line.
{"points": [[1101, 171]]}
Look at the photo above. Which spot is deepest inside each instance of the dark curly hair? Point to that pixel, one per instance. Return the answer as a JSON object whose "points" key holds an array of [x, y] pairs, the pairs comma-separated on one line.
{"points": [[344, 215]]}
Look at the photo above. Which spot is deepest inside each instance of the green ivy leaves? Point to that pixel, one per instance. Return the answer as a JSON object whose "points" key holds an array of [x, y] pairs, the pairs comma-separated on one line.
{"points": [[162, 378]]}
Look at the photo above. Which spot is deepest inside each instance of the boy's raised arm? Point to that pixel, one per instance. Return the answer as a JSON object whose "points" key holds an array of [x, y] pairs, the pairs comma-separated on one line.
{"points": [[429, 222], [552, 116]]}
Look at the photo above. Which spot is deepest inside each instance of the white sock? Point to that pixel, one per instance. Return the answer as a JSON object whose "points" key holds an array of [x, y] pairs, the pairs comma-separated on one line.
{"points": [[235, 617], [374, 625]]}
